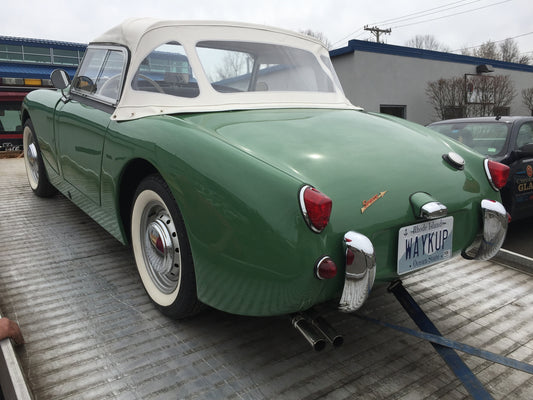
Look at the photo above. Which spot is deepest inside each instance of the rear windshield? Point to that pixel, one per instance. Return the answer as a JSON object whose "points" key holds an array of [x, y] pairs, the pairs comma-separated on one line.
{"points": [[246, 67], [232, 67]]}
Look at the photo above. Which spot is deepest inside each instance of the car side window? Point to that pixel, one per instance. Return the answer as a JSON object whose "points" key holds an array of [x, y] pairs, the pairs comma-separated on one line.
{"points": [[525, 135], [100, 74], [166, 70]]}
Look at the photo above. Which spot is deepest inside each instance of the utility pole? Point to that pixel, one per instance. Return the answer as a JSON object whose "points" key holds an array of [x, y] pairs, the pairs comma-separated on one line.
{"points": [[376, 31]]}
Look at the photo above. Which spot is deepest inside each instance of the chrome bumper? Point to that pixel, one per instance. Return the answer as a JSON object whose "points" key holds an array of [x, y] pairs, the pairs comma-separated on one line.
{"points": [[360, 271], [361, 260], [489, 242]]}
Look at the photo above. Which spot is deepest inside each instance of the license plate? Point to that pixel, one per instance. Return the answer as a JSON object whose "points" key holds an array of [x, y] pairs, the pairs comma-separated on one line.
{"points": [[424, 244]]}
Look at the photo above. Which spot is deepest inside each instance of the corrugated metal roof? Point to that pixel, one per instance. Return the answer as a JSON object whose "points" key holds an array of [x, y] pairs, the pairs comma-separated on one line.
{"points": [[41, 43]]}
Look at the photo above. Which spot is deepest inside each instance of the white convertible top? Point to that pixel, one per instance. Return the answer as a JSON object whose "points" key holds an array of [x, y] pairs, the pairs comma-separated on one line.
{"points": [[143, 35]]}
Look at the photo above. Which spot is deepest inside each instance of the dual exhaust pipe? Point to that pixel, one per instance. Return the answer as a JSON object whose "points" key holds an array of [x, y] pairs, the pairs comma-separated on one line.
{"points": [[316, 330]]}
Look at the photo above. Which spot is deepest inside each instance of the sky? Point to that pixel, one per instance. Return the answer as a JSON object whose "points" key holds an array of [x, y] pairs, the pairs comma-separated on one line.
{"points": [[456, 24]]}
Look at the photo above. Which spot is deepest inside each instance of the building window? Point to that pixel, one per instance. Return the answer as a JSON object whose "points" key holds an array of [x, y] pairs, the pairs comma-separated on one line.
{"points": [[397, 111], [451, 112], [11, 53], [40, 55]]}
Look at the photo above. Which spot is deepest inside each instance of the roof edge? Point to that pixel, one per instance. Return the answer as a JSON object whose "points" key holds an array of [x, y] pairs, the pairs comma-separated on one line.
{"points": [[373, 47]]}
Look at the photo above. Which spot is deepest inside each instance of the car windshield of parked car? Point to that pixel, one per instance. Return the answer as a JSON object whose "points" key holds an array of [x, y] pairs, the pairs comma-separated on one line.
{"points": [[525, 135], [487, 138]]}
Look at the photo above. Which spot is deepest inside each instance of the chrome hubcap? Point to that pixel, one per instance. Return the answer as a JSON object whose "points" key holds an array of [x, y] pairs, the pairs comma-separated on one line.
{"points": [[161, 248], [31, 157]]}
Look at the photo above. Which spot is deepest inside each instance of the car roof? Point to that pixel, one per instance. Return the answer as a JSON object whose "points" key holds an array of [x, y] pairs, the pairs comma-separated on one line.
{"points": [[505, 119], [130, 32], [142, 35]]}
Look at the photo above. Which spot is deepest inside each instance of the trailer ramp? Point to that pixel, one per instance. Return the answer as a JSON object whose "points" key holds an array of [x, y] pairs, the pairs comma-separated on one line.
{"points": [[92, 333]]}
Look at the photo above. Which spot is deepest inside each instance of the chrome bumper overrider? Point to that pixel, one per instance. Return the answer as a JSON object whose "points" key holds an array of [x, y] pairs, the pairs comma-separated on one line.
{"points": [[489, 242], [360, 271]]}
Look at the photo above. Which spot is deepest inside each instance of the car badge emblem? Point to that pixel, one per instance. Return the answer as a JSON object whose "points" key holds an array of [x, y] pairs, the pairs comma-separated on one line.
{"points": [[368, 203], [156, 241], [529, 171]]}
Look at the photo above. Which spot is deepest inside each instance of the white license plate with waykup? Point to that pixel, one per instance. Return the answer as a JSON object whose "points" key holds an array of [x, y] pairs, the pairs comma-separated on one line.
{"points": [[424, 244]]}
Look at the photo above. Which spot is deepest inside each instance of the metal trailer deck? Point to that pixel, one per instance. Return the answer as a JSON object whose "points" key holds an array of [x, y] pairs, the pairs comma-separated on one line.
{"points": [[92, 333]]}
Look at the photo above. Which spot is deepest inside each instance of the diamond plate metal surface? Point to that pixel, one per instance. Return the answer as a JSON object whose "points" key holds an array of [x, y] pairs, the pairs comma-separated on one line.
{"points": [[92, 333]]}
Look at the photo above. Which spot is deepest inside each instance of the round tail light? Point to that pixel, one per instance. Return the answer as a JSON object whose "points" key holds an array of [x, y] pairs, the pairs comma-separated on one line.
{"points": [[325, 268]]}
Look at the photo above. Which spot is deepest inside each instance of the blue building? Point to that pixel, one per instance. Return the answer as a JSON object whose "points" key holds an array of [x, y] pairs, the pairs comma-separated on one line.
{"points": [[36, 59], [25, 65]]}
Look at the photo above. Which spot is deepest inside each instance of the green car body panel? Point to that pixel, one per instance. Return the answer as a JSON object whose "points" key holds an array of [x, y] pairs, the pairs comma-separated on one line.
{"points": [[236, 177], [221, 176]]}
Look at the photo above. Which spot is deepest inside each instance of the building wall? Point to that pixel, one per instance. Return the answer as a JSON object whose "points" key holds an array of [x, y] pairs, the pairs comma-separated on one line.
{"points": [[375, 74]]}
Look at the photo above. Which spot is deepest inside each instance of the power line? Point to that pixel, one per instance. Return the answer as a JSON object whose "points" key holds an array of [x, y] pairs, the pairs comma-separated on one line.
{"points": [[424, 13], [427, 12], [397, 19], [496, 41], [452, 15]]}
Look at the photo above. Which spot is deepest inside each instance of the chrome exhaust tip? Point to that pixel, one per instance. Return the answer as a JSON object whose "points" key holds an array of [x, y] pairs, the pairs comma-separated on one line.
{"points": [[316, 330], [313, 336], [328, 331]]}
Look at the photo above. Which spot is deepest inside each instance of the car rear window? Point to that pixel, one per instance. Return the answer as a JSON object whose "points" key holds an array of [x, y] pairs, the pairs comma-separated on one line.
{"points": [[250, 67]]}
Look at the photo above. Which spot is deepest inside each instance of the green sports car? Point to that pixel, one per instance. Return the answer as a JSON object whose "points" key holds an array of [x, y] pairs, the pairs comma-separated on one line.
{"points": [[229, 158]]}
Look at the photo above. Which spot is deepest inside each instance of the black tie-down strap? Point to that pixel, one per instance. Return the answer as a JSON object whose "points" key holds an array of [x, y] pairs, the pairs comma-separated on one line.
{"points": [[446, 347]]}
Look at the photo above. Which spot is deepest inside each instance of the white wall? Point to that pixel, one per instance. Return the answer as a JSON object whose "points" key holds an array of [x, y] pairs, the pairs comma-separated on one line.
{"points": [[372, 79]]}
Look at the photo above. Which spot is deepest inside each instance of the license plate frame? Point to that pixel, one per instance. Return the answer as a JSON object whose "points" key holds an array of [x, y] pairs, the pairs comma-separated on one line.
{"points": [[423, 244]]}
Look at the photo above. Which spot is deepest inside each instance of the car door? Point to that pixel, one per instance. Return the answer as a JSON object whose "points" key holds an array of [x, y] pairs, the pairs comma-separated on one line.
{"points": [[82, 121], [522, 174]]}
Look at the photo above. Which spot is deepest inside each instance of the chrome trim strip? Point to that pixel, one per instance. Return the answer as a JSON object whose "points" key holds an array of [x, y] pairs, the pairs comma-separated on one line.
{"points": [[489, 176], [304, 209], [317, 265]]}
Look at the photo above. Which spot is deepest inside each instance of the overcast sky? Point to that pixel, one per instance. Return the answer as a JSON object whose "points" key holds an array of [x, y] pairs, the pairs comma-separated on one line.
{"points": [[456, 24]]}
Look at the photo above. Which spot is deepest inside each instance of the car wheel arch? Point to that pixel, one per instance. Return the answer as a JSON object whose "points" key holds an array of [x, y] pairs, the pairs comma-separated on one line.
{"points": [[132, 175]]}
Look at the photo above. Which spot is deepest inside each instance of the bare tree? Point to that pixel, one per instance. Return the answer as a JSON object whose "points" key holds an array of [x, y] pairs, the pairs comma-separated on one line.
{"points": [[317, 35], [447, 97], [504, 92], [234, 64], [527, 97], [426, 42], [487, 50], [473, 96], [507, 50]]}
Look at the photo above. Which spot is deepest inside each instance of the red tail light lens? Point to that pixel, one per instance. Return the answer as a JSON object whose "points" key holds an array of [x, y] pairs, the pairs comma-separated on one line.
{"points": [[326, 268], [316, 208], [497, 173]]}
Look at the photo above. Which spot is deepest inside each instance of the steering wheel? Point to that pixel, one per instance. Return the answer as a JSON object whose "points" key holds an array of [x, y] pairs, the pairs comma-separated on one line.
{"points": [[112, 91], [147, 79]]}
